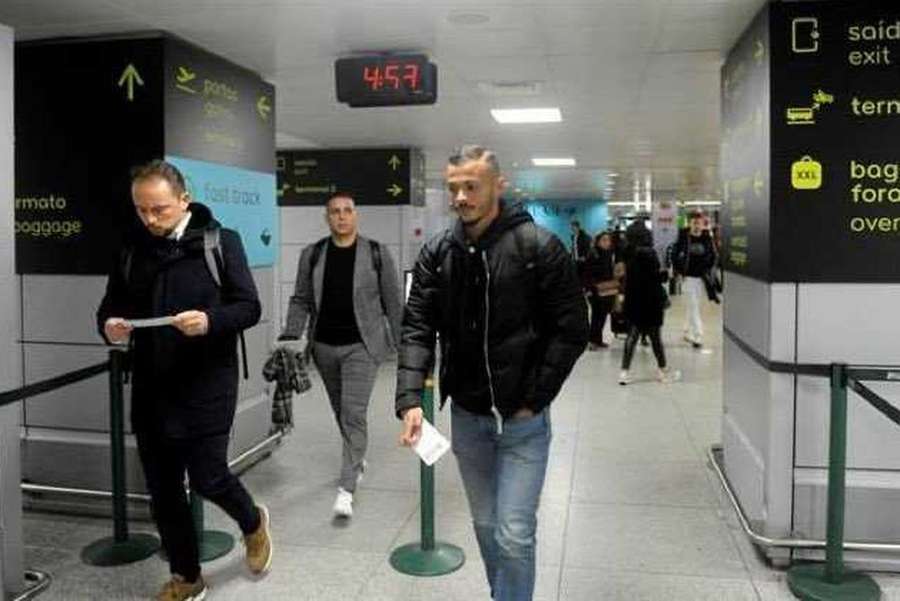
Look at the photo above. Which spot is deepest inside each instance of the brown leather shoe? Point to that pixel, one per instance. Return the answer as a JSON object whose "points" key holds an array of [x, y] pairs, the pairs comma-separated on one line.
{"points": [[177, 589], [259, 544]]}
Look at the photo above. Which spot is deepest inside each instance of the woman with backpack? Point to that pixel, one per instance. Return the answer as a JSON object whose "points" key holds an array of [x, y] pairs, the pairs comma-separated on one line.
{"points": [[645, 301]]}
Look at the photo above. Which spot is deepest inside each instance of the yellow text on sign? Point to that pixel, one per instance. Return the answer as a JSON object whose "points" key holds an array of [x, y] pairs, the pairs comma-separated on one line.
{"points": [[806, 174]]}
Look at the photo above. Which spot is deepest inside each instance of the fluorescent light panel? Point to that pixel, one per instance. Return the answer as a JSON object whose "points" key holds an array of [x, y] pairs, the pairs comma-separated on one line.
{"points": [[542, 115], [553, 162]]}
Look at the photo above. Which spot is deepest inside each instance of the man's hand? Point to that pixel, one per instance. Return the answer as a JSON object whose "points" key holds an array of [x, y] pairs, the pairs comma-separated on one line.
{"points": [[192, 323], [412, 427], [117, 330], [523, 413]]}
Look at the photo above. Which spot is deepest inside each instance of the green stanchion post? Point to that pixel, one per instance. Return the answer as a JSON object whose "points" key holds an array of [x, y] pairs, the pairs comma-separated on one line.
{"points": [[122, 548], [428, 557], [831, 582], [211, 543]]}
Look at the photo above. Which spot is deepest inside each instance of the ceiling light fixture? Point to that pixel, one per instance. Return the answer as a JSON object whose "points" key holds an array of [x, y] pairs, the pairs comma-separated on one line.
{"points": [[553, 162], [539, 115]]}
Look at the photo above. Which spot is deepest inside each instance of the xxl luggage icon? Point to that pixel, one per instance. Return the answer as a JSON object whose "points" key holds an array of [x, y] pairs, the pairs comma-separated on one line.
{"points": [[806, 174]]}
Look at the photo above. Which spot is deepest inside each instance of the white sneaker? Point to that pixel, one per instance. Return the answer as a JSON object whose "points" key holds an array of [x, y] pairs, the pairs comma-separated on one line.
{"points": [[343, 504], [624, 377]]}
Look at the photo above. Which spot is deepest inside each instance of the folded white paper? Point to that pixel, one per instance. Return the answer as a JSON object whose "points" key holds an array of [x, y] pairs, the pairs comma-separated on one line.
{"points": [[431, 445], [154, 322]]}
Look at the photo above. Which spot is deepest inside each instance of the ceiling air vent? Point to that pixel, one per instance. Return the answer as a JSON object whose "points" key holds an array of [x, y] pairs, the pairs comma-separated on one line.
{"points": [[511, 88]]}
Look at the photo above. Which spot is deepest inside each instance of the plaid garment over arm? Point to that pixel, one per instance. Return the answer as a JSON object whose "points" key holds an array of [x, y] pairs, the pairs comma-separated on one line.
{"points": [[288, 371]]}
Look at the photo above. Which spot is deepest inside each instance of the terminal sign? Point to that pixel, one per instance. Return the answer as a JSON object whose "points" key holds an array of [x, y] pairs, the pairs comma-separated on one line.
{"points": [[372, 176]]}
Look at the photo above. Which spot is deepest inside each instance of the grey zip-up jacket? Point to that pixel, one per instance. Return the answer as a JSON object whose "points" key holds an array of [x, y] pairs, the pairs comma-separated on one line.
{"points": [[378, 309]]}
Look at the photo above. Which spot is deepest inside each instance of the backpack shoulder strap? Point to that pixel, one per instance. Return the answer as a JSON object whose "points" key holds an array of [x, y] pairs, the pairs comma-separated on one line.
{"points": [[215, 262], [318, 247], [527, 243], [212, 253], [375, 249], [376, 258]]}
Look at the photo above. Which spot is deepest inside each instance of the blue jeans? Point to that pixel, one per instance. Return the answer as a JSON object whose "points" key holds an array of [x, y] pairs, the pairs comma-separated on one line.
{"points": [[503, 475]]}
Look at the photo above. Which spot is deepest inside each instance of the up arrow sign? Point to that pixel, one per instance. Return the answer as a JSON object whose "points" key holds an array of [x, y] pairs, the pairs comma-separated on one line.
{"points": [[129, 77], [395, 162]]}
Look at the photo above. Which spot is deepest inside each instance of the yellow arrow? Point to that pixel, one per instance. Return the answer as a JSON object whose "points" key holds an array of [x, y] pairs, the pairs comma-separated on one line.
{"points": [[263, 107], [395, 162], [130, 76], [395, 190], [760, 51], [185, 75]]}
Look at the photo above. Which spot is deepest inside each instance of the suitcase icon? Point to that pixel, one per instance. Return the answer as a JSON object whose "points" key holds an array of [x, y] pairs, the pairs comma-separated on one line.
{"points": [[806, 174]]}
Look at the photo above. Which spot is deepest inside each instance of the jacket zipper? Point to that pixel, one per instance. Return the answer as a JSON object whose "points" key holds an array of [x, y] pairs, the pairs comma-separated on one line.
{"points": [[487, 322]]}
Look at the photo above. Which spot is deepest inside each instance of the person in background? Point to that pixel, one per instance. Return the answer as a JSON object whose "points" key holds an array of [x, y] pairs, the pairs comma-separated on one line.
{"points": [[347, 296], [693, 258], [602, 287], [581, 247], [645, 301]]}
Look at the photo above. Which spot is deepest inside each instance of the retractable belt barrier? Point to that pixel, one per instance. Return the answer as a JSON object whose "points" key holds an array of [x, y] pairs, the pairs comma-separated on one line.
{"points": [[831, 582], [121, 547], [428, 557]]}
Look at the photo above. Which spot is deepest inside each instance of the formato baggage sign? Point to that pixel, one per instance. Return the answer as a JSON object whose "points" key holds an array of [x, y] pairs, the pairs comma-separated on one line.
{"points": [[88, 110]]}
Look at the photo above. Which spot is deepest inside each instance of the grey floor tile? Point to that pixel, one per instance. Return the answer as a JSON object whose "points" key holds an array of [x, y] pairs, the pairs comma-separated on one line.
{"points": [[651, 444], [671, 483], [299, 574], [593, 585], [306, 519], [467, 584], [453, 524], [670, 540]]}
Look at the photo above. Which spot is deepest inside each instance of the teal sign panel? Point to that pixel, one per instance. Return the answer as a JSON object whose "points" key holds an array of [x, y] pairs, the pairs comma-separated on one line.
{"points": [[239, 199]]}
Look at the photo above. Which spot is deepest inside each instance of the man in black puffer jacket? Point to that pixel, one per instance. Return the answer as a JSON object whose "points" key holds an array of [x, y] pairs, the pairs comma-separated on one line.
{"points": [[185, 375], [505, 297]]}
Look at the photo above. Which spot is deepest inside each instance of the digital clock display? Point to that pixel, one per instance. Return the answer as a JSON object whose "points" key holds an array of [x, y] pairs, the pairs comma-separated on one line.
{"points": [[386, 80]]}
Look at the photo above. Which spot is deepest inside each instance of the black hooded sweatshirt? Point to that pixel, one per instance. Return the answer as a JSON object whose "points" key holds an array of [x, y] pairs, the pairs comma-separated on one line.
{"points": [[183, 386], [510, 313]]}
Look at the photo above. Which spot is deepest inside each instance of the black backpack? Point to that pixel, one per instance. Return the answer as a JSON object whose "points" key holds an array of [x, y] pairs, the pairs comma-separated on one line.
{"points": [[215, 263]]}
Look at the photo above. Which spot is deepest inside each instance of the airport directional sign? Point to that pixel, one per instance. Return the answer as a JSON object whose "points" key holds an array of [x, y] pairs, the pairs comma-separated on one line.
{"points": [[372, 176]]}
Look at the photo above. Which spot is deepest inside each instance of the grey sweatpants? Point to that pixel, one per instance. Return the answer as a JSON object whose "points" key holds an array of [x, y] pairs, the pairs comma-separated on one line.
{"points": [[348, 373]]}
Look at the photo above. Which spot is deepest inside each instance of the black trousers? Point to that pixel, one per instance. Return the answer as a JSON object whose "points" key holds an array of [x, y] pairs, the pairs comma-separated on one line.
{"points": [[600, 309], [165, 461], [655, 340]]}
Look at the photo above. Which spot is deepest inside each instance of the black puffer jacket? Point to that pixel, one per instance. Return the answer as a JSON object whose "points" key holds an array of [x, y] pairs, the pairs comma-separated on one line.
{"points": [[533, 311], [183, 386]]}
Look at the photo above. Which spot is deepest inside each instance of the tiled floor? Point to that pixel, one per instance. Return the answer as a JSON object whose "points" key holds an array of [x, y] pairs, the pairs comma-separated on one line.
{"points": [[630, 511]]}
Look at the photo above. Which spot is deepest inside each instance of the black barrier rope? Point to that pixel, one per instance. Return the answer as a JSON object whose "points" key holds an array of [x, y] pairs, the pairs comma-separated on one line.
{"points": [[779, 367], [37, 388], [886, 409]]}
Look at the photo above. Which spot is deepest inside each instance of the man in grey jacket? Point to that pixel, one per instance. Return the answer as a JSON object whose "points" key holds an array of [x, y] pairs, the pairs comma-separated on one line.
{"points": [[348, 292]]}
